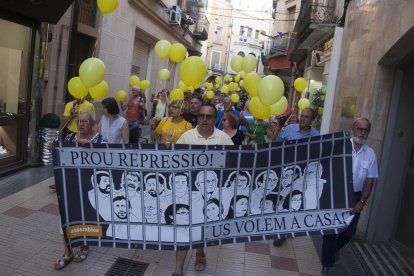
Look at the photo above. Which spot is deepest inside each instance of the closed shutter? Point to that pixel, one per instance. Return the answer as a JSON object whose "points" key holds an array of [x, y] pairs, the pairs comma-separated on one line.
{"points": [[140, 59]]}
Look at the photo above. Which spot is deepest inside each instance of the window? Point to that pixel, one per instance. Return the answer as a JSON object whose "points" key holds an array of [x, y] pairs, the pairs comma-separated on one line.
{"points": [[241, 32], [241, 53], [218, 35], [256, 36], [215, 61], [249, 31], [290, 19]]}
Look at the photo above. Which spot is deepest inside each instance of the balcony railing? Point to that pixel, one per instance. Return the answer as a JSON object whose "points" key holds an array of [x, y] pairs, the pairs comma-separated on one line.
{"points": [[87, 12], [201, 28], [317, 12]]}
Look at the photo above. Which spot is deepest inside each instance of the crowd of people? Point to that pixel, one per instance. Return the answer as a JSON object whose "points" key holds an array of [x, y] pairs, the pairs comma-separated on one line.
{"points": [[193, 120]]}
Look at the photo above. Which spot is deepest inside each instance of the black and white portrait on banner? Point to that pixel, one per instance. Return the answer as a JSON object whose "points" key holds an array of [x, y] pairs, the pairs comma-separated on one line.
{"points": [[194, 196]]}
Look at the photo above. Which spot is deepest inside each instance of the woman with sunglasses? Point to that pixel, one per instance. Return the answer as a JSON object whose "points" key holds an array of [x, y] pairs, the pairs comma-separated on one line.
{"points": [[230, 124], [171, 128]]}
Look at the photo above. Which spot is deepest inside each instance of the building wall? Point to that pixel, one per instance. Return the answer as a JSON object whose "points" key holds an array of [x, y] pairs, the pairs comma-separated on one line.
{"points": [[371, 30], [54, 83]]}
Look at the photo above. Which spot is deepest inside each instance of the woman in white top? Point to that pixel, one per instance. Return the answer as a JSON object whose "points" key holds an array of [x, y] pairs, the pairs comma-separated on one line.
{"points": [[113, 127], [160, 105]]}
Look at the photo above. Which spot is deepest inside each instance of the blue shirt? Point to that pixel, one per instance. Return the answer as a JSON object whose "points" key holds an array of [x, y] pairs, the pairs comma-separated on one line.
{"points": [[292, 132]]}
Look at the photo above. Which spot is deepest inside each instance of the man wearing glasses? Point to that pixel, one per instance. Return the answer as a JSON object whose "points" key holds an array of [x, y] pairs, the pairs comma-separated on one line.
{"points": [[301, 130], [204, 134], [365, 171]]}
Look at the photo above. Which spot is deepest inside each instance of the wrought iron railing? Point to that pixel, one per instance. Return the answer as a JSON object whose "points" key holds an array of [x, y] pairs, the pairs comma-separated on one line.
{"points": [[87, 12], [316, 11]]}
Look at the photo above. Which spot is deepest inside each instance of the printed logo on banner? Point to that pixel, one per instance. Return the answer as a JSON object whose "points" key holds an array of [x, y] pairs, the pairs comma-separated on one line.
{"points": [[84, 230]]}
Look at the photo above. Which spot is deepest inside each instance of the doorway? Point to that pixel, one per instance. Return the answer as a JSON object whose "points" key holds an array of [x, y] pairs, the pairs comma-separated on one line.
{"points": [[405, 224]]}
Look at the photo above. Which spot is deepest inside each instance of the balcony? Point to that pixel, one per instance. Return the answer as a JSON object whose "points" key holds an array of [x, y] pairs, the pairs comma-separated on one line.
{"points": [[201, 28], [315, 25], [248, 41], [87, 13]]}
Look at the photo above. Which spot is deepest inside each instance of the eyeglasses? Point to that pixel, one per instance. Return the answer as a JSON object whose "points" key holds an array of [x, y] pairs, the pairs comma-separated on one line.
{"points": [[360, 129], [205, 116], [82, 122]]}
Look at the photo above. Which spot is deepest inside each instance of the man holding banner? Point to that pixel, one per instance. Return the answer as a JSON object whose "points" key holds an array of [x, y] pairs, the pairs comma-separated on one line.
{"points": [[204, 134], [365, 171]]}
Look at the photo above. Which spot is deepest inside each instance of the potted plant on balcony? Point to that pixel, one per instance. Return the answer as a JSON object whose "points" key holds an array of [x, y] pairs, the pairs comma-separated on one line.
{"points": [[49, 125]]}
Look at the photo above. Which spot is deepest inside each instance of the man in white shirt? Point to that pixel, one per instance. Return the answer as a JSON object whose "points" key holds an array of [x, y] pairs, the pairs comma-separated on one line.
{"points": [[365, 171], [204, 134]]}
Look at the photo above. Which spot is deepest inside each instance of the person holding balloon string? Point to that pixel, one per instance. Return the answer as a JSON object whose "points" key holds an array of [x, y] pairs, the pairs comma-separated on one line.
{"points": [[133, 108], [256, 132], [171, 128]]}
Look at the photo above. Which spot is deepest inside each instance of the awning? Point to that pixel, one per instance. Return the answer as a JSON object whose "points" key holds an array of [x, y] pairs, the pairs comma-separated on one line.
{"points": [[49, 11]]}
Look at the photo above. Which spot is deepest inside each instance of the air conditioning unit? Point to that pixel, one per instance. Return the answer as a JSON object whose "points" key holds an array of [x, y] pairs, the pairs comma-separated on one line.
{"points": [[174, 15]]}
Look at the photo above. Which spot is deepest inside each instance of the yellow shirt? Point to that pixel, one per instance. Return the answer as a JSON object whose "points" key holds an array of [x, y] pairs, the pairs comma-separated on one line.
{"points": [[71, 125], [167, 129]]}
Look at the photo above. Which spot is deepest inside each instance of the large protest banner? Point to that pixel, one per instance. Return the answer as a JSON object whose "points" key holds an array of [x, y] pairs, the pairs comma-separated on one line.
{"points": [[158, 197]]}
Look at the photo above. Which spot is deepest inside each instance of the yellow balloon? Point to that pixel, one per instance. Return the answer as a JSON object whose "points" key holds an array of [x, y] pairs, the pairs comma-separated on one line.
{"points": [[300, 84], [197, 86], [182, 86], [217, 85], [303, 103], [162, 49], [242, 74], [249, 63], [100, 91], [176, 94], [134, 80], [191, 89], [241, 83], [120, 95], [224, 89], [271, 89], [279, 107], [92, 72], [209, 72], [251, 84], [208, 85], [236, 63], [320, 111], [192, 70], [76, 88], [259, 110], [144, 84], [177, 52], [164, 74], [227, 78], [209, 94], [217, 80], [237, 78], [107, 6], [235, 98]]}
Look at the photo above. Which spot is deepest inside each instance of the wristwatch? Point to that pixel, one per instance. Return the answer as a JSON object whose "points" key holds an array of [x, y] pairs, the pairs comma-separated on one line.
{"points": [[363, 202]]}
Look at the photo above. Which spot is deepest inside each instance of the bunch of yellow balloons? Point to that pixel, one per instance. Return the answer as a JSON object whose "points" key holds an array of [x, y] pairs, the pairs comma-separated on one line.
{"points": [[91, 78], [176, 52], [247, 63]]}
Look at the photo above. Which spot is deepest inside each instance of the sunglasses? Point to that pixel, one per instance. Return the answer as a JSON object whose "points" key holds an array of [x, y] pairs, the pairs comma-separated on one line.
{"points": [[205, 116]]}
